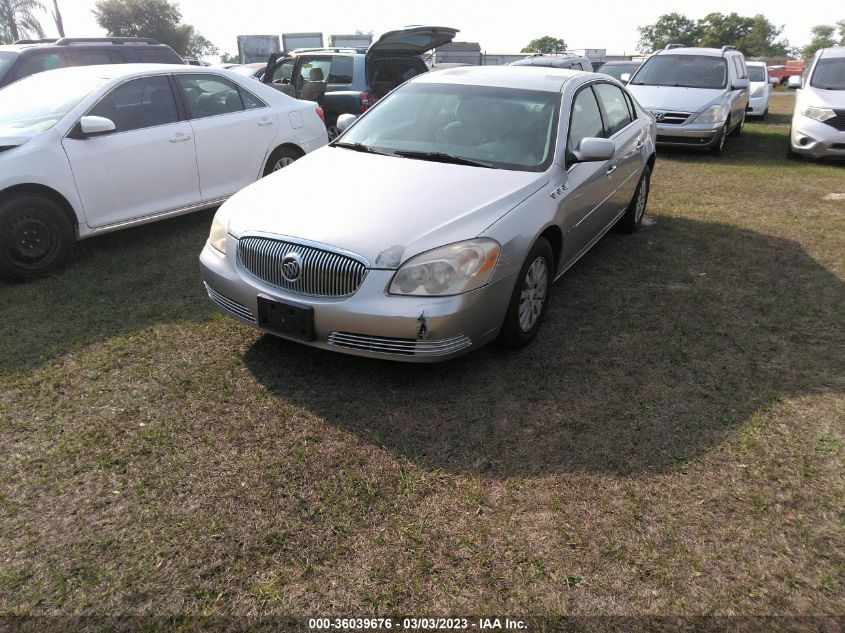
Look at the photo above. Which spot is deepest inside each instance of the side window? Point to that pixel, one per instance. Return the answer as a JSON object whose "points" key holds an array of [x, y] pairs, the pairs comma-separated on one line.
{"points": [[585, 121], [156, 56], [283, 71], [94, 57], [631, 107], [251, 101], [340, 71], [39, 62], [615, 106], [137, 104], [743, 71], [208, 95], [314, 69]]}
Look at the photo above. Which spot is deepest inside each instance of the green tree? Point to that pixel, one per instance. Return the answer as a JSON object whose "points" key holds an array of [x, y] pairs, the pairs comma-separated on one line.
{"points": [[840, 28], [227, 58], [17, 20], [546, 44], [822, 38], [670, 28], [158, 19], [200, 47]]}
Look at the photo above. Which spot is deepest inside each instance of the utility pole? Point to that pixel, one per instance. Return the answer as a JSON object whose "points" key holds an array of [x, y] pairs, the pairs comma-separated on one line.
{"points": [[57, 16]]}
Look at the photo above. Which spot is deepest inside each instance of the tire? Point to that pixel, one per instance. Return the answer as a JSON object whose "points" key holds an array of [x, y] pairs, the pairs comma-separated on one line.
{"points": [[36, 237], [524, 315], [719, 144], [332, 130], [280, 158], [737, 131], [633, 216]]}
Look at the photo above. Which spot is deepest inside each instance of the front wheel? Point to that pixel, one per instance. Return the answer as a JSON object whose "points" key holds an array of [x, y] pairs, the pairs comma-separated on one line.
{"points": [[633, 216], [719, 145], [35, 237], [530, 297]]}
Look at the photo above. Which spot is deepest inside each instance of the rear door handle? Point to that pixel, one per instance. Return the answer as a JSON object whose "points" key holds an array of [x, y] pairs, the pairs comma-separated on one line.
{"points": [[612, 169], [178, 138]]}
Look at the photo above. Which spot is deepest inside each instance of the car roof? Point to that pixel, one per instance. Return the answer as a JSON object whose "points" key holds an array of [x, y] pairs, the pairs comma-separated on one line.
{"points": [[838, 51], [619, 62], [521, 77], [118, 71], [691, 50]]}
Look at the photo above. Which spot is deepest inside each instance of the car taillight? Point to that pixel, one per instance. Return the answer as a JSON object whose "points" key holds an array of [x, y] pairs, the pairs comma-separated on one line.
{"points": [[321, 114], [368, 100]]}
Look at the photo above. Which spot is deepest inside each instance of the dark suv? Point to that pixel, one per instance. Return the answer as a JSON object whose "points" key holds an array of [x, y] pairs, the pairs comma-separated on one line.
{"points": [[27, 57], [350, 80]]}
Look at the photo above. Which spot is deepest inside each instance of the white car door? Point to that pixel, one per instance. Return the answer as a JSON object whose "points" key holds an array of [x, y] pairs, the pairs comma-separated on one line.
{"points": [[233, 130], [146, 166]]}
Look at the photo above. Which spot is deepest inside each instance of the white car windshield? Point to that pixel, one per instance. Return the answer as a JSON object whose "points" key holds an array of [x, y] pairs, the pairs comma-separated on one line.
{"points": [[497, 127], [756, 74], [829, 74], [38, 102], [687, 71]]}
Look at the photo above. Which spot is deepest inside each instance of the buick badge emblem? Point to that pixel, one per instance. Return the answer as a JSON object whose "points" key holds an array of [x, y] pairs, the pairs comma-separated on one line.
{"points": [[291, 267], [658, 116]]}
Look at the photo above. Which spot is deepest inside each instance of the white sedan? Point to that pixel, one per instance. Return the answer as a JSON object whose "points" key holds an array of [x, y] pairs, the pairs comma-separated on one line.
{"points": [[93, 149]]}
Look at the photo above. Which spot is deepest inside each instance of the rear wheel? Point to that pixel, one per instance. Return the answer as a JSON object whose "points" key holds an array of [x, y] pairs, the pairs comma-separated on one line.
{"points": [[279, 159], [530, 297], [36, 237]]}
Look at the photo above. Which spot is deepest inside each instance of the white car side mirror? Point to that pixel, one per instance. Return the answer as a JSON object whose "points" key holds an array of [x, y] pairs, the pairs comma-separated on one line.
{"points": [[794, 82], [740, 84], [594, 149], [774, 81], [344, 121], [93, 125], [625, 77]]}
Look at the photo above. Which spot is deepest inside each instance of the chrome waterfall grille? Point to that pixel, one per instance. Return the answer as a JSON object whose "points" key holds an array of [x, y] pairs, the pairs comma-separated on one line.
{"points": [[300, 269], [403, 346], [231, 305]]}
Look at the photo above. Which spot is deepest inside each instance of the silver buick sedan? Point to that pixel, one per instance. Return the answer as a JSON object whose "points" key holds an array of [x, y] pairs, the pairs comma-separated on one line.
{"points": [[438, 221]]}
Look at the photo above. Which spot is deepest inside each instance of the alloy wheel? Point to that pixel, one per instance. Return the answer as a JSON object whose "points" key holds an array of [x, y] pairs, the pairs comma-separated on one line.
{"points": [[533, 294]]}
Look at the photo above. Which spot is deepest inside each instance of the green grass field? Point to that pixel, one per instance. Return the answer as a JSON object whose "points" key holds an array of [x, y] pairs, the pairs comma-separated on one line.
{"points": [[673, 442]]}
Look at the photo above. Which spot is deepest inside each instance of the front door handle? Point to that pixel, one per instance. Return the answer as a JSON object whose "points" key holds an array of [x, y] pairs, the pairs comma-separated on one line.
{"points": [[178, 138], [612, 169], [639, 145]]}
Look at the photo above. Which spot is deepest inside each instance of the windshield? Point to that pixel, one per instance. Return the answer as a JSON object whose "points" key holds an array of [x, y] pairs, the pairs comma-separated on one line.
{"points": [[617, 70], [688, 71], [829, 74], [757, 74], [502, 127], [38, 102], [6, 61]]}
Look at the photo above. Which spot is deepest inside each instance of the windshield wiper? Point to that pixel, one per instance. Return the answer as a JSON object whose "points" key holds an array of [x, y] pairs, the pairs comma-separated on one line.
{"points": [[360, 147], [442, 157]]}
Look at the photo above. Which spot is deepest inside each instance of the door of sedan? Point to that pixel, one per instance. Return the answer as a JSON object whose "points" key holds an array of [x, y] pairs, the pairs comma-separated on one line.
{"points": [[147, 165], [233, 131]]}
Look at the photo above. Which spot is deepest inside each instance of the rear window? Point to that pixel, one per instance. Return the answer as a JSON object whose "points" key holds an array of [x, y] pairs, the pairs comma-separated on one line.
{"points": [[161, 55], [341, 70]]}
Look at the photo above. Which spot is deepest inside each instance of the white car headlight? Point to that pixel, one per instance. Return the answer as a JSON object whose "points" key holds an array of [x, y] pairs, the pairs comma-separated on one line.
{"points": [[219, 233], [758, 92], [712, 114], [448, 270], [819, 114]]}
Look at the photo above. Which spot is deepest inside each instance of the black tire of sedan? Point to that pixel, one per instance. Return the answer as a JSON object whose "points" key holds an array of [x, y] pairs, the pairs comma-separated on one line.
{"points": [[634, 214], [530, 299], [280, 158], [36, 237]]}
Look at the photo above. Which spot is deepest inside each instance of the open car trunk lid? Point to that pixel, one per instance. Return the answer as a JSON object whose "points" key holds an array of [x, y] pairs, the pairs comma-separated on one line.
{"points": [[413, 40]]}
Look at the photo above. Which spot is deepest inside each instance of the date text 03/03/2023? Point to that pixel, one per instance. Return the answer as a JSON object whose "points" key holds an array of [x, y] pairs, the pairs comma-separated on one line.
{"points": [[416, 624]]}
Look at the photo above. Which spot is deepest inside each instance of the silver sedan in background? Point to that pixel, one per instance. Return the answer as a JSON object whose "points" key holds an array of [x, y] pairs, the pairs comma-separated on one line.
{"points": [[439, 220]]}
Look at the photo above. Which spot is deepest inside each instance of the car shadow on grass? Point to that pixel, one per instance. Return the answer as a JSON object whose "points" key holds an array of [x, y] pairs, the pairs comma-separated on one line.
{"points": [[115, 283], [656, 346]]}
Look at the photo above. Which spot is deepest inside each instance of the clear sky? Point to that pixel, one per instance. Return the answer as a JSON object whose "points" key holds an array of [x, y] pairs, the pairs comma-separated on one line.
{"points": [[500, 27]]}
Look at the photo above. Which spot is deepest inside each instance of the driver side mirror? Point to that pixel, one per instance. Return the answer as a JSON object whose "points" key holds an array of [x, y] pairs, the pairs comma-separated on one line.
{"points": [[344, 121], [740, 84], [592, 149], [794, 82], [95, 126], [625, 78]]}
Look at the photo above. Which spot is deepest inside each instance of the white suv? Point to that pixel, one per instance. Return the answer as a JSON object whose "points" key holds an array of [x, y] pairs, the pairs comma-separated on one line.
{"points": [[697, 95], [818, 124], [761, 89]]}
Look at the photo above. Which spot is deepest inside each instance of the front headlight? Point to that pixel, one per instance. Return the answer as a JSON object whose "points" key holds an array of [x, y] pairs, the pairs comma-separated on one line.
{"points": [[819, 114], [219, 232], [712, 114], [448, 270], [758, 92]]}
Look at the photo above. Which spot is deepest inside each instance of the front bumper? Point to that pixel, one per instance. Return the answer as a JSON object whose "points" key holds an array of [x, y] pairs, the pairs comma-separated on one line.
{"points": [[757, 106], [371, 322], [816, 139], [689, 135]]}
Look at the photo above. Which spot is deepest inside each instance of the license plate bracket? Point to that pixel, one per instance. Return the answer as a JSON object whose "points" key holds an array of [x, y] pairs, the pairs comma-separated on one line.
{"points": [[288, 319]]}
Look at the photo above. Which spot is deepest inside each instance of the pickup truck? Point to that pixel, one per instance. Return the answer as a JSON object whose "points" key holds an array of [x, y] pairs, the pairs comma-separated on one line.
{"points": [[794, 67]]}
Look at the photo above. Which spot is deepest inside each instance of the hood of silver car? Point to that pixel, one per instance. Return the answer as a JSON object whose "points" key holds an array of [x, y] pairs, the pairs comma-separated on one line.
{"points": [[674, 99], [370, 204], [822, 98]]}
